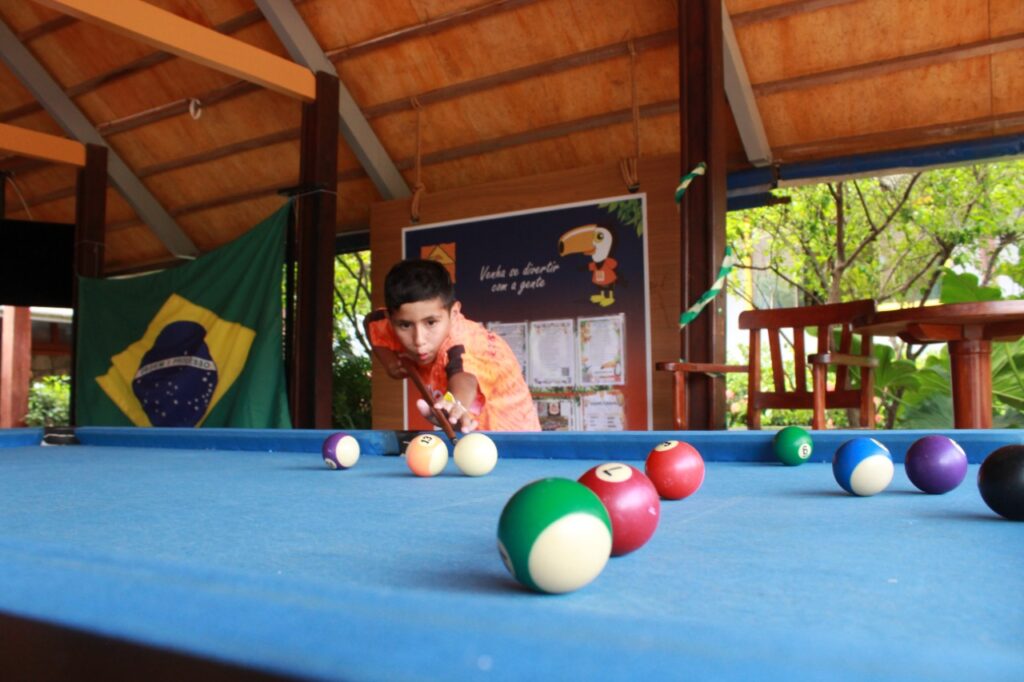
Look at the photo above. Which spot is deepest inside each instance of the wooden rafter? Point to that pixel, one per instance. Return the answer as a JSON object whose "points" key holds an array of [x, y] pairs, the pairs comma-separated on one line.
{"points": [[741, 98], [187, 39], [37, 145], [882, 67]]}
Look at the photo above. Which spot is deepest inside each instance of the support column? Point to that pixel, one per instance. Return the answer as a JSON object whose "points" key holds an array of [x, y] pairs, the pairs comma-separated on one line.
{"points": [[310, 368], [90, 239], [703, 114], [15, 365]]}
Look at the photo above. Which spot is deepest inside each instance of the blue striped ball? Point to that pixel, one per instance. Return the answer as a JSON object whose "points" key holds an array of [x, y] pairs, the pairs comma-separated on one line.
{"points": [[863, 466]]}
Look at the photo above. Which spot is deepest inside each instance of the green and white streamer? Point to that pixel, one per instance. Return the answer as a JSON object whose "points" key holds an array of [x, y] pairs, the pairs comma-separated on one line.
{"points": [[727, 265], [685, 181]]}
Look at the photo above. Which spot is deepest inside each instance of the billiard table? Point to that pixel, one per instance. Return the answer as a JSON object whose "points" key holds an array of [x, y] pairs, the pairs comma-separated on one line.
{"points": [[240, 551]]}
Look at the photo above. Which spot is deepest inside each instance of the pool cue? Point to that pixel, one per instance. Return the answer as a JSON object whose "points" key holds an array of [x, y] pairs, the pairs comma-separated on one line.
{"points": [[440, 416]]}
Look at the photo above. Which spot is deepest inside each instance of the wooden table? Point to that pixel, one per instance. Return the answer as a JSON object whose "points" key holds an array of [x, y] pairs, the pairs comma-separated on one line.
{"points": [[969, 329]]}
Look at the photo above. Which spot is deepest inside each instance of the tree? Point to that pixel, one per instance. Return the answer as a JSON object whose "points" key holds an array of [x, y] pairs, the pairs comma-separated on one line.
{"points": [[890, 238], [351, 366]]}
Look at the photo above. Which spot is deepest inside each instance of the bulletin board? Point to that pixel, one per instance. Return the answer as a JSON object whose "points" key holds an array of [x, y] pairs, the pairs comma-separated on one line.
{"points": [[566, 287]]}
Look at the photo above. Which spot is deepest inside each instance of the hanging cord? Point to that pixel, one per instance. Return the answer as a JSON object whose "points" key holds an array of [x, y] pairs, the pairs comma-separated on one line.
{"points": [[17, 190], [418, 188], [628, 166]]}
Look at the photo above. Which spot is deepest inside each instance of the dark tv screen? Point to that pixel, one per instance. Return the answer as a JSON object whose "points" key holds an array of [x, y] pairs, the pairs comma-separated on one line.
{"points": [[36, 263]]}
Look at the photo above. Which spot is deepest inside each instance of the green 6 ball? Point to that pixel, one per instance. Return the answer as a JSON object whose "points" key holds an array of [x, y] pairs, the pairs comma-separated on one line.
{"points": [[793, 445]]}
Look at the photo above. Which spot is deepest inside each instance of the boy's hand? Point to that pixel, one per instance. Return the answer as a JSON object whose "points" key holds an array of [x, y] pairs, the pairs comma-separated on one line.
{"points": [[459, 416]]}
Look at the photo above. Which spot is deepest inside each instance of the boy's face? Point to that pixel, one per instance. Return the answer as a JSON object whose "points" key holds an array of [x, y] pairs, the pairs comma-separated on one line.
{"points": [[422, 327]]}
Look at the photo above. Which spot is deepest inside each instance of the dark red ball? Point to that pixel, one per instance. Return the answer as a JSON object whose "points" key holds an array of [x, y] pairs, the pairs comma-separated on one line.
{"points": [[631, 500], [676, 469]]}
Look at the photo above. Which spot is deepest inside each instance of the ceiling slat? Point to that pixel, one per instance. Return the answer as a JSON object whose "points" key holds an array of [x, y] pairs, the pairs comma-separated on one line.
{"points": [[436, 25], [943, 55], [786, 9]]}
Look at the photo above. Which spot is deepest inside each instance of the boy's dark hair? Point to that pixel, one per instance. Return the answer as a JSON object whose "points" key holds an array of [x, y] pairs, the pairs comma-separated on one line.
{"points": [[415, 280]]}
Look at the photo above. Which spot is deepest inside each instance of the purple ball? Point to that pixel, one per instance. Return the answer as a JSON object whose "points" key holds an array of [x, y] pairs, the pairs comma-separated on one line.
{"points": [[936, 464]]}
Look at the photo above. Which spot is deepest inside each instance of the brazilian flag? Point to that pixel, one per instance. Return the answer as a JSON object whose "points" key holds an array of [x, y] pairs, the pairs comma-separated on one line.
{"points": [[195, 345]]}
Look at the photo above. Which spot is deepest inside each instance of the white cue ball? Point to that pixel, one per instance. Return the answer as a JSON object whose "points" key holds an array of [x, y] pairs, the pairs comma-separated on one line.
{"points": [[475, 454]]}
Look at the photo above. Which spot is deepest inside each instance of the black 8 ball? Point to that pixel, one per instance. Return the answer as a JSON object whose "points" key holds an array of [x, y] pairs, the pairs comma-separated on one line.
{"points": [[1001, 481]]}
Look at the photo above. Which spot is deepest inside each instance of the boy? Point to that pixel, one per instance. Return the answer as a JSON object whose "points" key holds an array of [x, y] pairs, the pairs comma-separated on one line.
{"points": [[424, 324]]}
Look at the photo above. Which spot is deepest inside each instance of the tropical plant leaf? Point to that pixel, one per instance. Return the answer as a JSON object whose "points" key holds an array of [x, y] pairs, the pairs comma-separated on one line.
{"points": [[963, 288]]}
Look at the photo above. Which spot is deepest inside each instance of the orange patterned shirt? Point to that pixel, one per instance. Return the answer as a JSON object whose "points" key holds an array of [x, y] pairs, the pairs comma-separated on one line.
{"points": [[503, 401]]}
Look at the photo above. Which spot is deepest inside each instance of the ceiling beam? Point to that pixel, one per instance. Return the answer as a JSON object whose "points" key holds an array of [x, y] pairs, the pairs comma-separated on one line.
{"points": [[783, 10], [189, 40], [37, 145], [741, 98], [60, 107], [883, 67], [355, 129]]}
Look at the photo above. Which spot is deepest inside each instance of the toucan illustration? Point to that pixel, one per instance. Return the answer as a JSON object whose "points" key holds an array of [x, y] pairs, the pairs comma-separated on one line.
{"points": [[594, 241]]}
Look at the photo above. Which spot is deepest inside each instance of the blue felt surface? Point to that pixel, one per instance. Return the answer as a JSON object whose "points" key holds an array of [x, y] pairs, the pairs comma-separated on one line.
{"points": [[271, 560], [10, 438]]}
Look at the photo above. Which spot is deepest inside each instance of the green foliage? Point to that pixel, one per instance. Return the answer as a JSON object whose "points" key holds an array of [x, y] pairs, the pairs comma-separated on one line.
{"points": [[628, 212], [49, 401], [897, 239], [964, 288], [350, 408]]}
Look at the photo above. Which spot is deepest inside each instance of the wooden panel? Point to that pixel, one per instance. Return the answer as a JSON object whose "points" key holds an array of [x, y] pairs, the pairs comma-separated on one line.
{"points": [[937, 94], [1005, 17], [273, 166], [253, 115], [1008, 81], [14, 93], [533, 34], [131, 246], [856, 33], [659, 177]]}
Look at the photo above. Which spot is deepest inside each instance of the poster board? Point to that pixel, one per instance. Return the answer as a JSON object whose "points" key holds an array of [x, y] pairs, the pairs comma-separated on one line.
{"points": [[566, 286]]}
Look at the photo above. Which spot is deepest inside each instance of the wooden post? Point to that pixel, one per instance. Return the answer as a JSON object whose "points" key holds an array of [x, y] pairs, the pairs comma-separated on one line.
{"points": [[90, 240], [15, 365], [704, 118], [315, 232]]}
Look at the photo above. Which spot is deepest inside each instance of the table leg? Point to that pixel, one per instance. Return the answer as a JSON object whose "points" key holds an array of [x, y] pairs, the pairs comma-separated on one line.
{"points": [[971, 367]]}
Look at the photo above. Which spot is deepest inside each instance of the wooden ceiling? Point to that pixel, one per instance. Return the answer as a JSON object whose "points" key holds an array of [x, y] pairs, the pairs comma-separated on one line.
{"points": [[507, 88]]}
